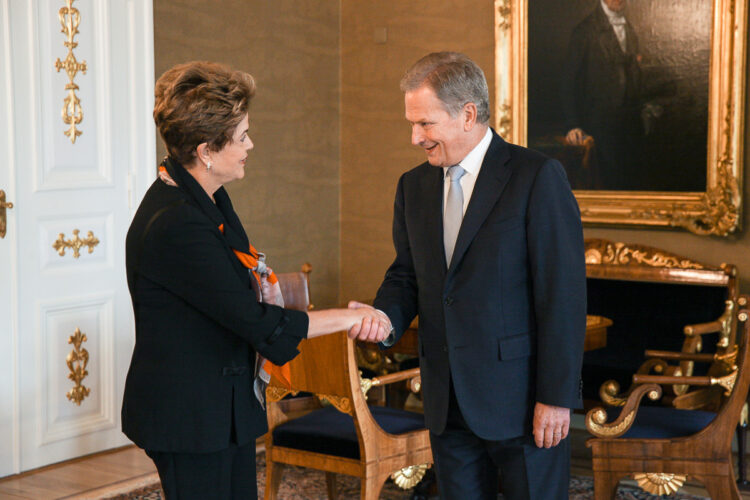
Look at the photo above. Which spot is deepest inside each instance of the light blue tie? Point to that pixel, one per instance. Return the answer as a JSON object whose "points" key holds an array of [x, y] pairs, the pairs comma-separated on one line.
{"points": [[454, 211]]}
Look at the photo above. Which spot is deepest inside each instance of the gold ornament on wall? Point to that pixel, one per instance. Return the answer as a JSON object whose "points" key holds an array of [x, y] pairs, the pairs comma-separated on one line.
{"points": [[72, 113], [77, 361], [75, 243]]}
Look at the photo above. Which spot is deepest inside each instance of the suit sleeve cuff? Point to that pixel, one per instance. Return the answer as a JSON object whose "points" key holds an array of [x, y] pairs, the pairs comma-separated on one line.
{"points": [[280, 346]]}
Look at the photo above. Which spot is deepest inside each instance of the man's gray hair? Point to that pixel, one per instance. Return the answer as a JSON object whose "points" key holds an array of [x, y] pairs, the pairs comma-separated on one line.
{"points": [[456, 80]]}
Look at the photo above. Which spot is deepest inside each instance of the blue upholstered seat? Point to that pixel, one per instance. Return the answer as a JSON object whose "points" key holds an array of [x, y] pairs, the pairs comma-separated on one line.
{"points": [[331, 432], [654, 422]]}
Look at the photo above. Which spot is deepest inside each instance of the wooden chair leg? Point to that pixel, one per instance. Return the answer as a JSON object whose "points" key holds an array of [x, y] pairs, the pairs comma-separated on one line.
{"points": [[605, 485], [371, 487], [331, 486], [273, 480], [722, 487]]}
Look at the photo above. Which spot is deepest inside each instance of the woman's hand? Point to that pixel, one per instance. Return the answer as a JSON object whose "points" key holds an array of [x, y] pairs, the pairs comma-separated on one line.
{"points": [[374, 325], [363, 323]]}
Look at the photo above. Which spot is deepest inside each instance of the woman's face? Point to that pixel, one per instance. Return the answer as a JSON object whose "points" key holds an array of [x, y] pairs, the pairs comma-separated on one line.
{"points": [[228, 164]]}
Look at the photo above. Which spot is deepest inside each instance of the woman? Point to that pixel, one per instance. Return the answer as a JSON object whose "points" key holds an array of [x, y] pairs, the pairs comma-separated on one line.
{"points": [[189, 398]]}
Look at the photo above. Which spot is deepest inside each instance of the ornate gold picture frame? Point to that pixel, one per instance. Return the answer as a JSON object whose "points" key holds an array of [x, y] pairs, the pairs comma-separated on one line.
{"points": [[714, 211]]}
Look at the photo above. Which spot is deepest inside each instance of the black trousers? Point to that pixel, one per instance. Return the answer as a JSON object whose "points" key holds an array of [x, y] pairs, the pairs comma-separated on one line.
{"points": [[467, 466], [223, 475]]}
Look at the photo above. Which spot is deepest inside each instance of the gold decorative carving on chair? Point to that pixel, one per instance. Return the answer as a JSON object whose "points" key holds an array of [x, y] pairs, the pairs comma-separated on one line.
{"points": [[621, 254], [659, 483], [72, 113], [662, 464], [409, 477], [77, 360], [342, 404]]}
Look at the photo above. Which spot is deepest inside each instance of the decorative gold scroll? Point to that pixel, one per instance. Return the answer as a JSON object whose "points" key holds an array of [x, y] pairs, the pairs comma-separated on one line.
{"points": [[75, 243], [72, 113], [660, 483], [713, 212], [409, 477], [77, 360], [620, 254], [341, 403]]}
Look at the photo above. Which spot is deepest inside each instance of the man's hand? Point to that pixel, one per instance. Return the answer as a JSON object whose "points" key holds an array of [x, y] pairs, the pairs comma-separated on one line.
{"points": [[551, 424], [375, 325], [575, 137]]}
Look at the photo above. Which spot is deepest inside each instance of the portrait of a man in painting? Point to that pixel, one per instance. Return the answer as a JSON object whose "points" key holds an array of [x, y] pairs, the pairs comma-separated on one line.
{"points": [[618, 91]]}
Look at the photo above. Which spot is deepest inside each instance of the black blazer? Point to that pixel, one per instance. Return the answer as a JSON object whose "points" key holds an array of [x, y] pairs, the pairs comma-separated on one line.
{"points": [[507, 320], [600, 83], [198, 324]]}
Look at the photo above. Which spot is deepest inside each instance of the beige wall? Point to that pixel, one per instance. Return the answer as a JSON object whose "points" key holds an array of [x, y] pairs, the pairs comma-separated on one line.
{"points": [[289, 199], [328, 125], [375, 137]]}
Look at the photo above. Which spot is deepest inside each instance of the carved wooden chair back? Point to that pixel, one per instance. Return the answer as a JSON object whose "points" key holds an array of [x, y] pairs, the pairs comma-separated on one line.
{"points": [[652, 295], [295, 288], [661, 447], [337, 431]]}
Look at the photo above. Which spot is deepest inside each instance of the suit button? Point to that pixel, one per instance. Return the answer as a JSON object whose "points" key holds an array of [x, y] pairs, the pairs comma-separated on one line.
{"points": [[445, 348], [448, 301]]}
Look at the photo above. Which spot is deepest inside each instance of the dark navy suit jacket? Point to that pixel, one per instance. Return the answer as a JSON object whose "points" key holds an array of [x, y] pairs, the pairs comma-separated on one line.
{"points": [[507, 320]]}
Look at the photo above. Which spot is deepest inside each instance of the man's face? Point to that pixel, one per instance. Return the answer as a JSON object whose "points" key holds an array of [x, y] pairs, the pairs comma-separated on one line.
{"points": [[615, 5], [442, 136]]}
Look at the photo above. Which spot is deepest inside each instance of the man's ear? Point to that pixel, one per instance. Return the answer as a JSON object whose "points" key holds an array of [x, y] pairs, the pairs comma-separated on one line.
{"points": [[469, 113]]}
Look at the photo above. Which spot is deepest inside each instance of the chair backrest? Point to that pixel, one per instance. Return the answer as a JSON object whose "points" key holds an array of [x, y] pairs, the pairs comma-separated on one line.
{"points": [[324, 366], [720, 432], [295, 288], [650, 295]]}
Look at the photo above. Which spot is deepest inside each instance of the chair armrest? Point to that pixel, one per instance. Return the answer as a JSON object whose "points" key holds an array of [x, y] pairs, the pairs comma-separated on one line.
{"points": [[681, 356], [596, 419], [722, 324], [727, 381], [412, 376]]}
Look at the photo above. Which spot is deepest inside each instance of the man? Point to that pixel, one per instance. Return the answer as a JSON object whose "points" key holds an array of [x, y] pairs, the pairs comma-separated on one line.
{"points": [[602, 94], [490, 255]]}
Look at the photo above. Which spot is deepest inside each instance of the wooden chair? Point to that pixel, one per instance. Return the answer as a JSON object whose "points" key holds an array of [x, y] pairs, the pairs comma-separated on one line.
{"points": [[668, 312], [295, 288], [340, 433], [661, 446]]}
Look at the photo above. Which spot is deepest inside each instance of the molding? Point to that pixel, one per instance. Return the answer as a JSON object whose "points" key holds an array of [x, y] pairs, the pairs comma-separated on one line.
{"points": [[10, 160], [97, 170], [101, 223], [51, 425]]}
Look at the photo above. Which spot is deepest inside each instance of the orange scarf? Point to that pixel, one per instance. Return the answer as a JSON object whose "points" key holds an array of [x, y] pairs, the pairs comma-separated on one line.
{"points": [[249, 260]]}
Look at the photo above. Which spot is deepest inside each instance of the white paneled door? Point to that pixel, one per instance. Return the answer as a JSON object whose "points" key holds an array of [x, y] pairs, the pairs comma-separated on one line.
{"points": [[82, 70]]}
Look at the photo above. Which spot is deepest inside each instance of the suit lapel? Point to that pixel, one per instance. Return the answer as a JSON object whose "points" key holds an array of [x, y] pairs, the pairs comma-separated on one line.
{"points": [[492, 179]]}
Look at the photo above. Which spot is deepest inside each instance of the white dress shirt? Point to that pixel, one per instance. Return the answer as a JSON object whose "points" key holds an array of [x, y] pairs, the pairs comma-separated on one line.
{"points": [[618, 22], [471, 164]]}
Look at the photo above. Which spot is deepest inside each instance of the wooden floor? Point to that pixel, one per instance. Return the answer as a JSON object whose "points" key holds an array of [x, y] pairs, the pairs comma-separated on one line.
{"points": [[86, 477]]}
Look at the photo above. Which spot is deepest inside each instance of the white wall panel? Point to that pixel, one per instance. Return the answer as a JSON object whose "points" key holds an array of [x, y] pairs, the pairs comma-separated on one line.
{"points": [[58, 417]]}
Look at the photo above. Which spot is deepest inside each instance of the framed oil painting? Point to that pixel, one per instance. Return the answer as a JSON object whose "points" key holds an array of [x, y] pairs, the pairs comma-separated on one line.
{"points": [[640, 100]]}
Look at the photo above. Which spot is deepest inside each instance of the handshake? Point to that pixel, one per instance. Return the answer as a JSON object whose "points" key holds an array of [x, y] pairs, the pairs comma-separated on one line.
{"points": [[369, 324]]}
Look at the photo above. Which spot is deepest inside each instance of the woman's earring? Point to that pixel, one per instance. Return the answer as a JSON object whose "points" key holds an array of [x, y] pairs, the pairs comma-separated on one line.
{"points": [[208, 166]]}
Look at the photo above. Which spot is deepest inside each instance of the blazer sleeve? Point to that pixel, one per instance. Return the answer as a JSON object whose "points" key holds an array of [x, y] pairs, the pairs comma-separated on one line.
{"points": [[184, 253], [558, 275], [397, 295]]}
